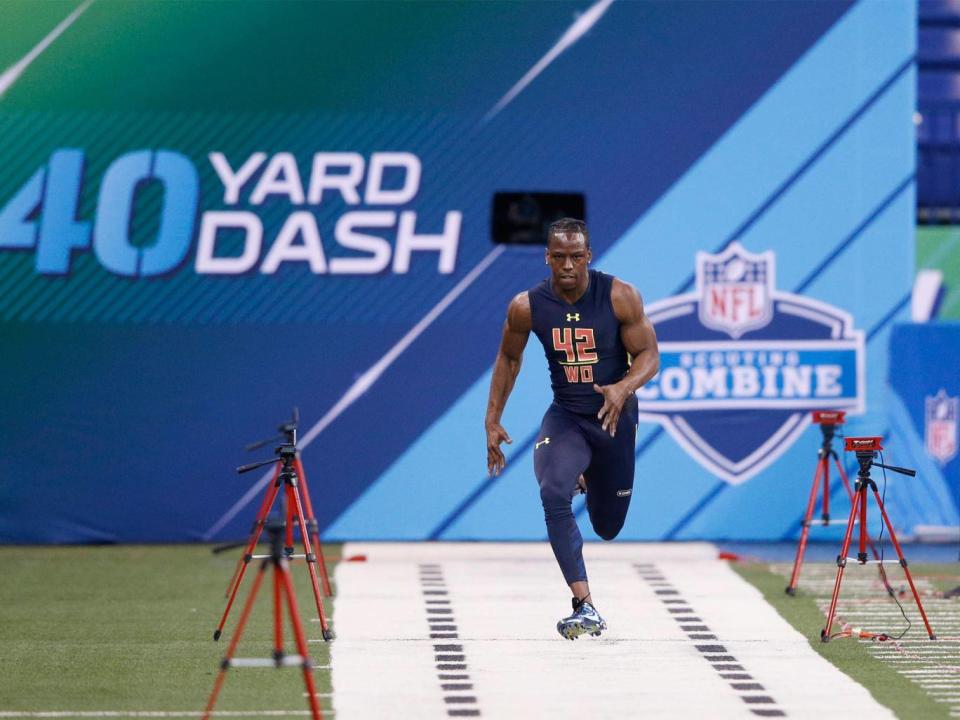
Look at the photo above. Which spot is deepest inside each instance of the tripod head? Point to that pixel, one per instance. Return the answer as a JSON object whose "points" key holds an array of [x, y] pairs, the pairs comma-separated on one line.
{"points": [[287, 430], [867, 448], [828, 421], [286, 453]]}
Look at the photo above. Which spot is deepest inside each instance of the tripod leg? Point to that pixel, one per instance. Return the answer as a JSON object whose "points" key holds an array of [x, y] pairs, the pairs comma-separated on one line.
{"points": [[825, 510], [843, 476], [254, 539], [288, 547], [277, 616], [903, 563], [859, 497], [314, 527], [311, 562], [254, 531], [873, 547], [805, 531], [862, 548], [282, 574], [225, 663]]}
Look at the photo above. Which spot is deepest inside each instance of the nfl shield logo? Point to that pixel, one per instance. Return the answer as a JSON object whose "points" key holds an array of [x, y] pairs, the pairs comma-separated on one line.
{"points": [[736, 289], [941, 426]]}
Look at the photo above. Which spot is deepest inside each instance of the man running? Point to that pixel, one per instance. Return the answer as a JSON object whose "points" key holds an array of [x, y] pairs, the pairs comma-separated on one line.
{"points": [[600, 348]]}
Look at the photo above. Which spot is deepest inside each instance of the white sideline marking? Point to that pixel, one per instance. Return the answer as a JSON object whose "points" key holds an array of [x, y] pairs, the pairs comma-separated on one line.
{"points": [[364, 382], [576, 31], [506, 599], [13, 73], [155, 713]]}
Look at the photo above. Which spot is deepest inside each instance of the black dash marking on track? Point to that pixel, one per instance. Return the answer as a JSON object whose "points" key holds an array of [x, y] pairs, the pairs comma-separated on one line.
{"points": [[711, 648], [447, 656], [717, 655]]}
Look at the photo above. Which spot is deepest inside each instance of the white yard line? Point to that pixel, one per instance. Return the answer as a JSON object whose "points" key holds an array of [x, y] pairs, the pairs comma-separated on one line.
{"points": [[932, 665], [506, 660]]}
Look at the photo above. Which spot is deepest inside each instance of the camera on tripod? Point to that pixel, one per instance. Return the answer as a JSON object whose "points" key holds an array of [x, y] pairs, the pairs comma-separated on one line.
{"points": [[829, 417], [863, 444]]}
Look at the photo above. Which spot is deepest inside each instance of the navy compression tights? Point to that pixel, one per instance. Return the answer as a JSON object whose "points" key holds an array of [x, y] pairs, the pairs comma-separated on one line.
{"points": [[570, 444]]}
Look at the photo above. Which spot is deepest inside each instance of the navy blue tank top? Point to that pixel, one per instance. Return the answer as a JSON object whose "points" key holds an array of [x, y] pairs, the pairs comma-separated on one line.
{"points": [[581, 341]]}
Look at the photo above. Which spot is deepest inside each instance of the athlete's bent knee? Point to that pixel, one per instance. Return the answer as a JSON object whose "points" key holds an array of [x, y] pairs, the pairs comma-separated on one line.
{"points": [[608, 530], [553, 498]]}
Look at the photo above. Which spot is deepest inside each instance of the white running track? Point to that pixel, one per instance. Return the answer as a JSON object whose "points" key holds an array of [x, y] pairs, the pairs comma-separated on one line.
{"points": [[507, 661]]}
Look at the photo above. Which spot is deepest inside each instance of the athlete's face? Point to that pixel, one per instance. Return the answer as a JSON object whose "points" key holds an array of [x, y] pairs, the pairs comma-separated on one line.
{"points": [[568, 256]]}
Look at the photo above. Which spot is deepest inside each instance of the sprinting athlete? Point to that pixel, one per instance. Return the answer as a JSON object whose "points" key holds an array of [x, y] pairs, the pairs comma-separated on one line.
{"points": [[600, 348]]}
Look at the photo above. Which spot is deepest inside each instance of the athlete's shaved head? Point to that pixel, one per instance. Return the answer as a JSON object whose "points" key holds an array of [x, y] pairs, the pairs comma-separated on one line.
{"points": [[568, 255], [569, 226]]}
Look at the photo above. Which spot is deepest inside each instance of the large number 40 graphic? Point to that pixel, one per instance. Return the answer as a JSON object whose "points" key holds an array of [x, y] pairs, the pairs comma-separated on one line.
{"points": [[579, 346]]}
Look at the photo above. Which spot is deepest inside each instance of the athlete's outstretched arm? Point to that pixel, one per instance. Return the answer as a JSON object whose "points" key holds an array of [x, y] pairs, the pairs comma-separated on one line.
{"points": [[516, 331], [640, 340]]}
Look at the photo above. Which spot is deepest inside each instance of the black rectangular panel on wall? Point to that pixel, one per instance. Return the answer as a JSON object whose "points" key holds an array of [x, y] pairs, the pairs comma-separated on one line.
{"points": [[522, 218]]}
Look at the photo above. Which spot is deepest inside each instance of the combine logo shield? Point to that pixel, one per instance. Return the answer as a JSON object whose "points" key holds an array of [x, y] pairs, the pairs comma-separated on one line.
{"points": [[742, 364], [940, 429]]}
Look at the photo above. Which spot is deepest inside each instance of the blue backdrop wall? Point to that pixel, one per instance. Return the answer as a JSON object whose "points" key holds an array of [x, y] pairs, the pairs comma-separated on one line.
{"points": [[188, 251]]}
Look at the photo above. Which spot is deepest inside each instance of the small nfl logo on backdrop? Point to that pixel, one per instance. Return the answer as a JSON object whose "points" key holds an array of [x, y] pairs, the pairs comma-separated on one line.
{"points": [[941, 426], [736, 289]]}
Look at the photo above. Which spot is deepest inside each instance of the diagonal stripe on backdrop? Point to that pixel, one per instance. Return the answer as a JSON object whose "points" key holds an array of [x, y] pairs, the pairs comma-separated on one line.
{"points": [[364, 382]]}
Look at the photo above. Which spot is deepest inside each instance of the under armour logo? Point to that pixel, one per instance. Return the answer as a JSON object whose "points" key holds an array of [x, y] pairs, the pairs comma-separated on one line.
{"points": [[573, 316], [545, 441]]}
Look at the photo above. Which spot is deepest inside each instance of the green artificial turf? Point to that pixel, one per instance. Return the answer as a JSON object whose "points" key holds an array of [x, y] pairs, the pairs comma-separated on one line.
{"points": [[130, 628], [905, 698]]}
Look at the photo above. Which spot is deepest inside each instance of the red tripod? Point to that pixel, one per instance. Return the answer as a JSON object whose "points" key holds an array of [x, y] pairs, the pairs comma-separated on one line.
{"points": [[866, 449], [287, 476], [288, 434], [282, 590], [828, 422]]}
